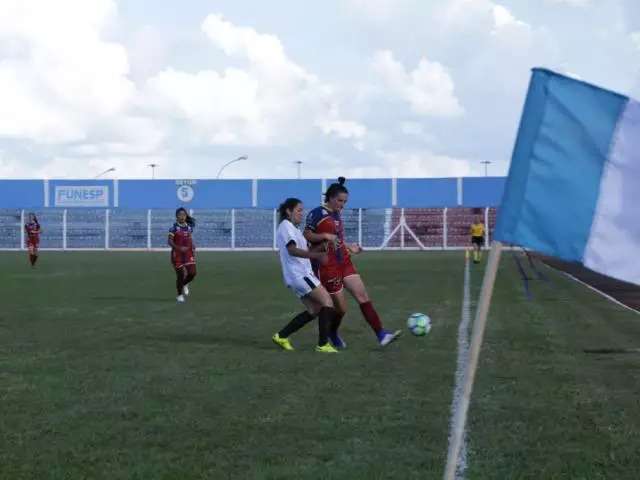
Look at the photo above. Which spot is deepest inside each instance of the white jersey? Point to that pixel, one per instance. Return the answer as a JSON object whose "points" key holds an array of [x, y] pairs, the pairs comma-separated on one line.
{"points": [[293, 268]]}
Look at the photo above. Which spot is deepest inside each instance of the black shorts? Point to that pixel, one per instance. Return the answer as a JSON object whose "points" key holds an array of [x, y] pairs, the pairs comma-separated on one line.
{"points": [[478, 241]]}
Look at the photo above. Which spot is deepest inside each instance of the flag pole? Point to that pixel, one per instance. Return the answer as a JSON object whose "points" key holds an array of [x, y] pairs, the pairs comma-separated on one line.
{"points": [[479, 324]]}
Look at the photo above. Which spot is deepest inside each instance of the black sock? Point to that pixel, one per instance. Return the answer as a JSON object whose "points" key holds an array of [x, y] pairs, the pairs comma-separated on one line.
{"points": [[335, 323], [179, 281], [296, 324], [325, 319]]}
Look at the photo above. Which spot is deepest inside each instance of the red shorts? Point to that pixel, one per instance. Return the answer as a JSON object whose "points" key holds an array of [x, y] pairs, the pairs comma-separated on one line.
{"points": [[182, 259], [332, 275]]}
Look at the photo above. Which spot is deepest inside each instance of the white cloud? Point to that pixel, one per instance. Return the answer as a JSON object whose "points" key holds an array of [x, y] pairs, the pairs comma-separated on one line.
{"points": [[429, 89], [417, 131], [269, 100], [422, 163], [343, 128], [59, 76], [379, 10], [412, 128], [84, 87], [572, 3]]}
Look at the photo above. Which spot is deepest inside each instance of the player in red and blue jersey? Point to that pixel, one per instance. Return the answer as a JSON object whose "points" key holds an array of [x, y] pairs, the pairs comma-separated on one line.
{"points": [[325, 230], [33, 231], [183, 252]]}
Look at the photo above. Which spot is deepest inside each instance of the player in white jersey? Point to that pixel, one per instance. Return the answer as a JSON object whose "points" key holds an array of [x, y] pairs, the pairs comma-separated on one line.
{"points": [[299, 277]]}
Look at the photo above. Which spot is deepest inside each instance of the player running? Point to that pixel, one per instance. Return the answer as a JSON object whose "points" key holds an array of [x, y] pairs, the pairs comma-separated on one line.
{"points": [[325, 229], [299, 277], [33, 231], [477, 239], [183, 252]]}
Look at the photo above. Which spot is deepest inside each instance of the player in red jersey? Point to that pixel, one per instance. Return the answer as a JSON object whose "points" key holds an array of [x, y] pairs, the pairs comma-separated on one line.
{"points": [[33, 230], [183, 252], [325, 229]]}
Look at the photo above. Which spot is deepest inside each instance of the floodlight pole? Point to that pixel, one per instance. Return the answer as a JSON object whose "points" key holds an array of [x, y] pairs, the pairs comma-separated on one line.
{"points": [[112, 169], [243, 157], [486, 163], [153, 170], [299, 164]]}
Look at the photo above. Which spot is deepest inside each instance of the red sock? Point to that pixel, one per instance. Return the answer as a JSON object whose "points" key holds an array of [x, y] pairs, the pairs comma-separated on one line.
{"points": [[371, 316]]}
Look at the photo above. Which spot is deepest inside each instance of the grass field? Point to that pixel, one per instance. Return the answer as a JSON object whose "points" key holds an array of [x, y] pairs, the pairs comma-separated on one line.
{"points": [[102, 375]]}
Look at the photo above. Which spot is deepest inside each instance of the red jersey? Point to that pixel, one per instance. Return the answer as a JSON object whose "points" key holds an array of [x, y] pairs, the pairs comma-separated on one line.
{"points": [[323, 220], [33, 232], [182, 237]]}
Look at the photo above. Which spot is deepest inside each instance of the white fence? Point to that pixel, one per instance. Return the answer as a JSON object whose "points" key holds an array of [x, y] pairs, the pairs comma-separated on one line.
{"points": [[237, 229]]}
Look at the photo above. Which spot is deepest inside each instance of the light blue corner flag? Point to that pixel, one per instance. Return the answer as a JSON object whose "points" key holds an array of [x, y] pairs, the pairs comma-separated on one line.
{"points": [[573, 190]]}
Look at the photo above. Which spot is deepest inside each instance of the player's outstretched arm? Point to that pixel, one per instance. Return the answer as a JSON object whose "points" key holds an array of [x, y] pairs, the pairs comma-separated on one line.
{"points": [[298, 252], [313, 237]]}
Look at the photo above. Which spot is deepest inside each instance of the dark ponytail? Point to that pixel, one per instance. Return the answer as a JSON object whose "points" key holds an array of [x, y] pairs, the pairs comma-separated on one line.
{"points": [[35, 219], [190, 220], [288, 204], [335, 189]]}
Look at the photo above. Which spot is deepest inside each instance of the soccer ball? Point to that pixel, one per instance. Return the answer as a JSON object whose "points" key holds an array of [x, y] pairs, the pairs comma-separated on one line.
{"points": [[419, 324]]}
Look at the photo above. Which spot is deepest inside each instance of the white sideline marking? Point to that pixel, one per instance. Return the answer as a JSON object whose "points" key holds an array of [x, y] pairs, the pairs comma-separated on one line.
{"points": [[590, 287], [463, 358]]}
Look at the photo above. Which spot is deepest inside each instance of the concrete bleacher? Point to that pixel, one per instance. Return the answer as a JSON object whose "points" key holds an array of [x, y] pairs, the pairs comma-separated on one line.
{"points": [[10, 224], [240, 228]]}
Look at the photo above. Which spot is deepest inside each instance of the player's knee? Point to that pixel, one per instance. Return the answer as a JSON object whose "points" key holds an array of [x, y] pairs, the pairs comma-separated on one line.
{"points": [[339, 309], [361, 297], [326, 302]]}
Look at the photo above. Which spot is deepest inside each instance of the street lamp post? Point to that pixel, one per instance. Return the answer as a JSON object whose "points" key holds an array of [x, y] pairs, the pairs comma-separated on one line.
{"points": [[153, 170], [486, 163], [299, 164], [108, 170], [243, 157]]}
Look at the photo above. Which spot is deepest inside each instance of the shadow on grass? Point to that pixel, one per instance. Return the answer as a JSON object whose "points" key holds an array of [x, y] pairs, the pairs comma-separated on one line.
{"points": [[133, 299], [206, 339]]}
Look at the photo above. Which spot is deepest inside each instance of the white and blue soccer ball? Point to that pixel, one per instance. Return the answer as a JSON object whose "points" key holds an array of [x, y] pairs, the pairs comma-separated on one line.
{"points": [[419, 324]]}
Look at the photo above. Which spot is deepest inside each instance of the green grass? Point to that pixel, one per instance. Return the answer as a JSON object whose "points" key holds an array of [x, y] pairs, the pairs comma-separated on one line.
{"points": [[102, 375]]}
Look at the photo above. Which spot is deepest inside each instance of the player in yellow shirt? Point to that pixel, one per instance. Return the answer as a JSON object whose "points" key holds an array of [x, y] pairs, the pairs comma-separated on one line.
{"points": [[477, 239]]}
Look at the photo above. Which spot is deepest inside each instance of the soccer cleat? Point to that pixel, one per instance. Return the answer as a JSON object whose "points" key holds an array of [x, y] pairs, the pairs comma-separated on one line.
{"points": [[185, 290], [283, 343], [337, 342], [326, 348], [180, 299], [385, 338]]}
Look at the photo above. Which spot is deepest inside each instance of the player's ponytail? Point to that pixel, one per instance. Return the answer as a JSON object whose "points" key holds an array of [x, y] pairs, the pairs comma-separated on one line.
{"points": [[288, 204], [35, 219], [335, 189], [190, 220]]}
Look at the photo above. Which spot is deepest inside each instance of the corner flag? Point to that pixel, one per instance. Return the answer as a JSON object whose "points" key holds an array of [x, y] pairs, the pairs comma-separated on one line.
{"points": [[573, 190]]}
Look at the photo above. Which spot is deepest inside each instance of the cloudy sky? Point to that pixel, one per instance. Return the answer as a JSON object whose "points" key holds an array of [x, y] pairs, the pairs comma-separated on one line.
{"points": [[364, 88]]}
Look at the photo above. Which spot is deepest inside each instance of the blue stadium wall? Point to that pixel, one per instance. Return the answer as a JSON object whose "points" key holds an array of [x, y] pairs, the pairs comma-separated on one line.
{"points": [[261, 194]]}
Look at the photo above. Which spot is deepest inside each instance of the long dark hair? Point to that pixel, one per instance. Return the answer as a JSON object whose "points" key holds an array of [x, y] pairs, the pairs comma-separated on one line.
{"points": [[335, 189], [288, 204], [35, 219], [190, 220]]}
